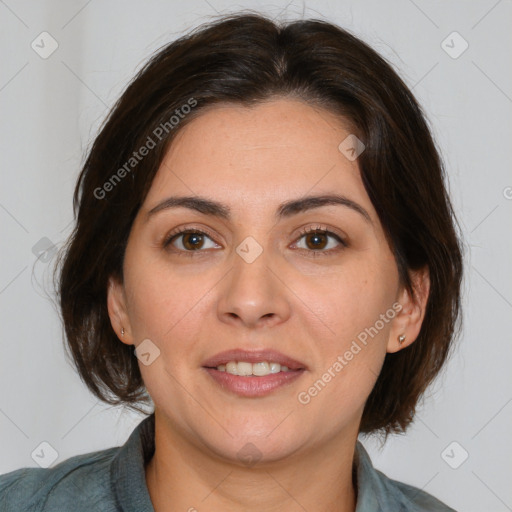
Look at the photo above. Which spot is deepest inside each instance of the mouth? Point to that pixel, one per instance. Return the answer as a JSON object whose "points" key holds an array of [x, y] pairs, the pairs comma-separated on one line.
{"points": [[253, 373]]}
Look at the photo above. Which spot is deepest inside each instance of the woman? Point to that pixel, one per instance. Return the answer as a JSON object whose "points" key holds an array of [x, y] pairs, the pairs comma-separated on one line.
{"points": [[265, 251]]}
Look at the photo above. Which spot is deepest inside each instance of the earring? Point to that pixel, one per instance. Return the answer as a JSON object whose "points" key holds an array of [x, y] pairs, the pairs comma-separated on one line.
{"points": [[122, 331], [401, 339]]}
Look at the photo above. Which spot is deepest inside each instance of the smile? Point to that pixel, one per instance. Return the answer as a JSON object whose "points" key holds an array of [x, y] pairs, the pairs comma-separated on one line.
{"points": [[245, 369], [253, 385]]}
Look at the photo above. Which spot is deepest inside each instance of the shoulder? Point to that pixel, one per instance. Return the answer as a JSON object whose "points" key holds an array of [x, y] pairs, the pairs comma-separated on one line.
{"points": [[412, 499], [379, 493], [79, 483]]}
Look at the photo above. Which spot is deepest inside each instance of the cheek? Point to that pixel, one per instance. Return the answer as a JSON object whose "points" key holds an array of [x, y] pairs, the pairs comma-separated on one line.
{"points": [[166, 307], [349, 302], [349, 356], [161, 299], [355, 308]]}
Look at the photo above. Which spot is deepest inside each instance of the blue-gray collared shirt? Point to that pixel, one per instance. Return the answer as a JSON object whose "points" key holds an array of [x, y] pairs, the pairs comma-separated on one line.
{"points": [[113, 480]]}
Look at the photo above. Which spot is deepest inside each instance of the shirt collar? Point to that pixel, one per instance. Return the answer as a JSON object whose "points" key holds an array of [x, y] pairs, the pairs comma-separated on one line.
{"points": [[129, 477], [372, 495], [128, 474]]}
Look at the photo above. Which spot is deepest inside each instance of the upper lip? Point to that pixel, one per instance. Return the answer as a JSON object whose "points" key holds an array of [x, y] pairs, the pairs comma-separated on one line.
{"points": [[254, 356]]}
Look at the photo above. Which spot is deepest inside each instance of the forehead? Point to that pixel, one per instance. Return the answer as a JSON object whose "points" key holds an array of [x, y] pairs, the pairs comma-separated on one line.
{"points": [[277, 149]]}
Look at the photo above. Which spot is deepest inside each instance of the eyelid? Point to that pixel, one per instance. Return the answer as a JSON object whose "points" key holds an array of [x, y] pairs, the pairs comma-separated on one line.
{"points": [[327, 231], [299, 234], [324, 228], [187, 229]]}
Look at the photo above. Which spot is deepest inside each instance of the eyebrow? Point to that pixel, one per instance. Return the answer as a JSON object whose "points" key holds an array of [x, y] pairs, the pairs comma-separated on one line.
{"points": [[287, 209]]}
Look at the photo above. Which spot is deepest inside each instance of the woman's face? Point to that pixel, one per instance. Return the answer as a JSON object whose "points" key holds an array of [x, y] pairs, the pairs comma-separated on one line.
{"points": [[257, 281]]}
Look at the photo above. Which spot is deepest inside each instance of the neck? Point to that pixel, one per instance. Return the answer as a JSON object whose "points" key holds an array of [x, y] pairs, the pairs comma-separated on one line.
{"points": [[182, 477]]}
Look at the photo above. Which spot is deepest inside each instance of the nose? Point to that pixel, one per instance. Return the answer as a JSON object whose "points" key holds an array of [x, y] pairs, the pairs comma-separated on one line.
{"points": [[253, 294]]}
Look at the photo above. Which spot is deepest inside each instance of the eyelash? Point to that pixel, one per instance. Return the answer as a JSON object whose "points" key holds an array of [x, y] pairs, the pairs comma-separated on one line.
{"points": [[317, 229]]}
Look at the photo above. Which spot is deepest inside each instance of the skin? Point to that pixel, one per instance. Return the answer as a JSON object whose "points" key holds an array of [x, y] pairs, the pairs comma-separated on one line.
{"points": [[310, 308]]}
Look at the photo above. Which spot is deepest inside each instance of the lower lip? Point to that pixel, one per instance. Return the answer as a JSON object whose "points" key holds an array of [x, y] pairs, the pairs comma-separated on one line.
{"points": [[253, 386]]}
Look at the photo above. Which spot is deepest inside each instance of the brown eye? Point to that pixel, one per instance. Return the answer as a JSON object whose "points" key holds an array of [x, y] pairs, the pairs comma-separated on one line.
{"points": [[189, 241], [318, 241], [192, 241]]}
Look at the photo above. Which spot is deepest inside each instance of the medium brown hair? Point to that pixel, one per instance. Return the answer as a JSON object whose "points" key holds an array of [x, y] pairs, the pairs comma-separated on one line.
{"points": [[244, 59]]}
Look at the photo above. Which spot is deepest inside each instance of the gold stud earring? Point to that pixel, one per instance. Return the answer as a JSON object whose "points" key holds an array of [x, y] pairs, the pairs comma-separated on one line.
{"points": [[401, 339]]}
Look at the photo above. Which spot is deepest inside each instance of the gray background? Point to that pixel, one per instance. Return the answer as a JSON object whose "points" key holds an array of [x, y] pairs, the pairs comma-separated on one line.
{"points": [[50, 111]]}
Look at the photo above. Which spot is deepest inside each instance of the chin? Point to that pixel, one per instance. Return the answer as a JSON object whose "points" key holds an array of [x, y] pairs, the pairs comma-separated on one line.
{"points": [[250, 439], [248, 451]]}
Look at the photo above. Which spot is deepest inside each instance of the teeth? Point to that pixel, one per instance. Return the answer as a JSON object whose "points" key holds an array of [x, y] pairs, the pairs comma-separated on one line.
{"points": [[232, 368], [275, 367], [245, 369]]}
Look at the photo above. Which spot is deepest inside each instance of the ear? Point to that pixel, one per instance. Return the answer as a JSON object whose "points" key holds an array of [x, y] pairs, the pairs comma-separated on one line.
{"points": [[409, 319], [117, 311]]}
